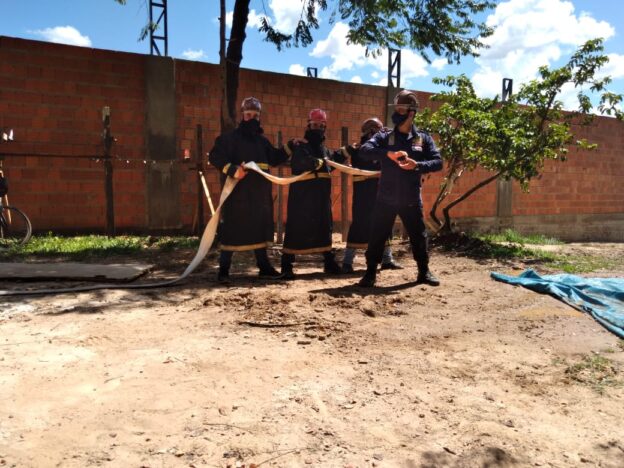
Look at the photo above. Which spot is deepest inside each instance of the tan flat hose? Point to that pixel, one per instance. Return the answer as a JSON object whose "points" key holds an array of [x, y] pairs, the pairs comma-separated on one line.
{"points": [[206, 240]]}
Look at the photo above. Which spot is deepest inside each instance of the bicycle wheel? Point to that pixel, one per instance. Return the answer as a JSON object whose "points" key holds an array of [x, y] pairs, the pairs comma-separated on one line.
{"points": [[15, 227]]}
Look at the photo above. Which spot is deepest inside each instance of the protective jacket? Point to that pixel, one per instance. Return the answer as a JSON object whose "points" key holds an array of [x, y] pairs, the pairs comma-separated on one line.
{"points": [[399, 187], [364, 194], [309, 220], [247, 215]]}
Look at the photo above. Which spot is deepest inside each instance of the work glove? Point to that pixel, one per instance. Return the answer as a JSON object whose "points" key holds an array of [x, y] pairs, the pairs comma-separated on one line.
{"points": [[240, 172]]}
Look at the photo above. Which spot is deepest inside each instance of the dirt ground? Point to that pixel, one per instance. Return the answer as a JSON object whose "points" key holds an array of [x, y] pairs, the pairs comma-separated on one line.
{"points": [[314, 372]]}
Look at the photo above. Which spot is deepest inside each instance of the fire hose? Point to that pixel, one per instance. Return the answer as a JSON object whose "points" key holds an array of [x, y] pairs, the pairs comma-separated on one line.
{"points": [[207, 237]]}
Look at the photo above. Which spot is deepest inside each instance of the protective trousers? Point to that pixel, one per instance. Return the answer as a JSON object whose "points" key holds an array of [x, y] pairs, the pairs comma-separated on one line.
{"points": [[289, 259], [384, 216], [262, 259]]}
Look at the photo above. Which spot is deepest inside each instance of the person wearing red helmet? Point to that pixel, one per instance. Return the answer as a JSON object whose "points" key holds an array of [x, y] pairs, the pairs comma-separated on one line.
{"points": [[309, 220], [247, 215], [364, 194], [406, 154]]}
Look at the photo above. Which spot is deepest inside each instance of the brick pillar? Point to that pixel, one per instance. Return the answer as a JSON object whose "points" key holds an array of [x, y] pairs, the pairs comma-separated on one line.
{"points": [[504, 191], [163, 172]]}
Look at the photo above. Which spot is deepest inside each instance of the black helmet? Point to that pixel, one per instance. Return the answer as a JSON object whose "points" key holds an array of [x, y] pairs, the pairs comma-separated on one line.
{"points": [[406, 98], [372, 124]]}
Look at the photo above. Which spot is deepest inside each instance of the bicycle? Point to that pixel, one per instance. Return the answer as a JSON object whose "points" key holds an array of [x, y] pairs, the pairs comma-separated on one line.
{"points": [[15, 227]]}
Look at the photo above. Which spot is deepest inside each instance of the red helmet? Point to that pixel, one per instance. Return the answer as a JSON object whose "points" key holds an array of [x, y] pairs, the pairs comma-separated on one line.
{"points": [[317, 115], [372, 124], [251, 104]]}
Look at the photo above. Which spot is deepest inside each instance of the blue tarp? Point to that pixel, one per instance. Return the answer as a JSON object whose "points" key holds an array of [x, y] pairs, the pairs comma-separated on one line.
{"points": [[603, 298]]}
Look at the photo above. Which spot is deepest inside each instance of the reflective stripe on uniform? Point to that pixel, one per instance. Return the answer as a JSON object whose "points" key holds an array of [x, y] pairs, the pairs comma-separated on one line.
{"points": [[307, 251], [242, 248]]}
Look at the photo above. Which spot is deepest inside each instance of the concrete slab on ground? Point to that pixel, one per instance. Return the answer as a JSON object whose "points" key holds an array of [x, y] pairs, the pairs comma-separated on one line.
{"points": [[68, 270]]}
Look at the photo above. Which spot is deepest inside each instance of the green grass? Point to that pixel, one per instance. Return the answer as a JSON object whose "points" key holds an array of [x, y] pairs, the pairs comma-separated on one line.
{"points": [[84, 247], [509, 235], [581, 264], [512, 245], [596, 372]]}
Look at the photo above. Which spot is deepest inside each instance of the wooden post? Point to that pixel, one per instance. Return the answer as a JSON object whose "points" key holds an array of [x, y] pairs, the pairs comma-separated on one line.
{"points": [[108, 172], [199, 159], [280, 197], [344, 192]]}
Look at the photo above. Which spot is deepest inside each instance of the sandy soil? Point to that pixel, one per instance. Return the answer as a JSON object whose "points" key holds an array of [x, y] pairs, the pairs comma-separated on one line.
{"points": [[314, 372]]}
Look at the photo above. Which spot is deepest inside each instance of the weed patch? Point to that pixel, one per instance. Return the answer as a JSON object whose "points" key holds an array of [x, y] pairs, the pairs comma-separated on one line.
{"points": [[594, 371], [509, 235], [86, 247], [513, 246]]}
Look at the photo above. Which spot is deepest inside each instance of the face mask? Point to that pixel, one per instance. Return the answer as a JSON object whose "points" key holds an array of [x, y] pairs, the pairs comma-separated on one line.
{"points": [[315, 137], [250, 126], [398, 119]]}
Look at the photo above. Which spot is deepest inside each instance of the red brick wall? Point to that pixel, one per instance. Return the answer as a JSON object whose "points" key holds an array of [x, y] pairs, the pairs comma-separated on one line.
{"points": [[52, 96], [588, 182]]}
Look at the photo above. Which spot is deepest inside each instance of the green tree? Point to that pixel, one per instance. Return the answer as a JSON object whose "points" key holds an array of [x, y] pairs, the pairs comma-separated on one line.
{"points": [[432, 27], [513, 139]]}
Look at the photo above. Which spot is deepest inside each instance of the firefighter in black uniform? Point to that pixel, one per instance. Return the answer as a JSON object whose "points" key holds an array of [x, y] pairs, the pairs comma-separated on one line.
{"points": [[406, 153], [247, 215], [309, 219], [364, 194]]}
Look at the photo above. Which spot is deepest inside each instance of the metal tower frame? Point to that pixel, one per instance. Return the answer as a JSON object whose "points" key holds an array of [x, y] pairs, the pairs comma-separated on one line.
{"points": [[155, 26], [507, 89], [394, 68]]}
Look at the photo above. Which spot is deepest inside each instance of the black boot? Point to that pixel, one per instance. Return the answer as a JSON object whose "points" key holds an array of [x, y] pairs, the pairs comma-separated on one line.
{"points": [[287, 267], [347, 268], [331, 267], [268, 272], [265, 269], [225, 261], [223, 276], [391, 266], [427, 277], [368, 280]]}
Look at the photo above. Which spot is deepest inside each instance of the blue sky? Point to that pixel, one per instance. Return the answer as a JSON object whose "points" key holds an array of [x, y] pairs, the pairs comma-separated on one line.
{"points": [[530, 33]]}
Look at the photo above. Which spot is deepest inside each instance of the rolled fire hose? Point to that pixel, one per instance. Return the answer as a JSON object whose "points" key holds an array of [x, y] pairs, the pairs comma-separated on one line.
{"points": [[207, 237]]}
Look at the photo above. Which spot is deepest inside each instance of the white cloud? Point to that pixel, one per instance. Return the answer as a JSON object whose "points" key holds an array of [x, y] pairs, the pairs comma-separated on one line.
{"points": [[615, 67], [253, 20], [356, 79], [296, 69], [328, 74], [286, 14], [191, 54], [346, 56], [529, 34], [439, 63], [63, 35]]}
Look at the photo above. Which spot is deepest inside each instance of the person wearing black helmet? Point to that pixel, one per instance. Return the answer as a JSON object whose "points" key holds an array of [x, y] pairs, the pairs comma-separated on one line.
{"points": [[405, 153], [247, 215], [363, 201], [309, 215]]}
